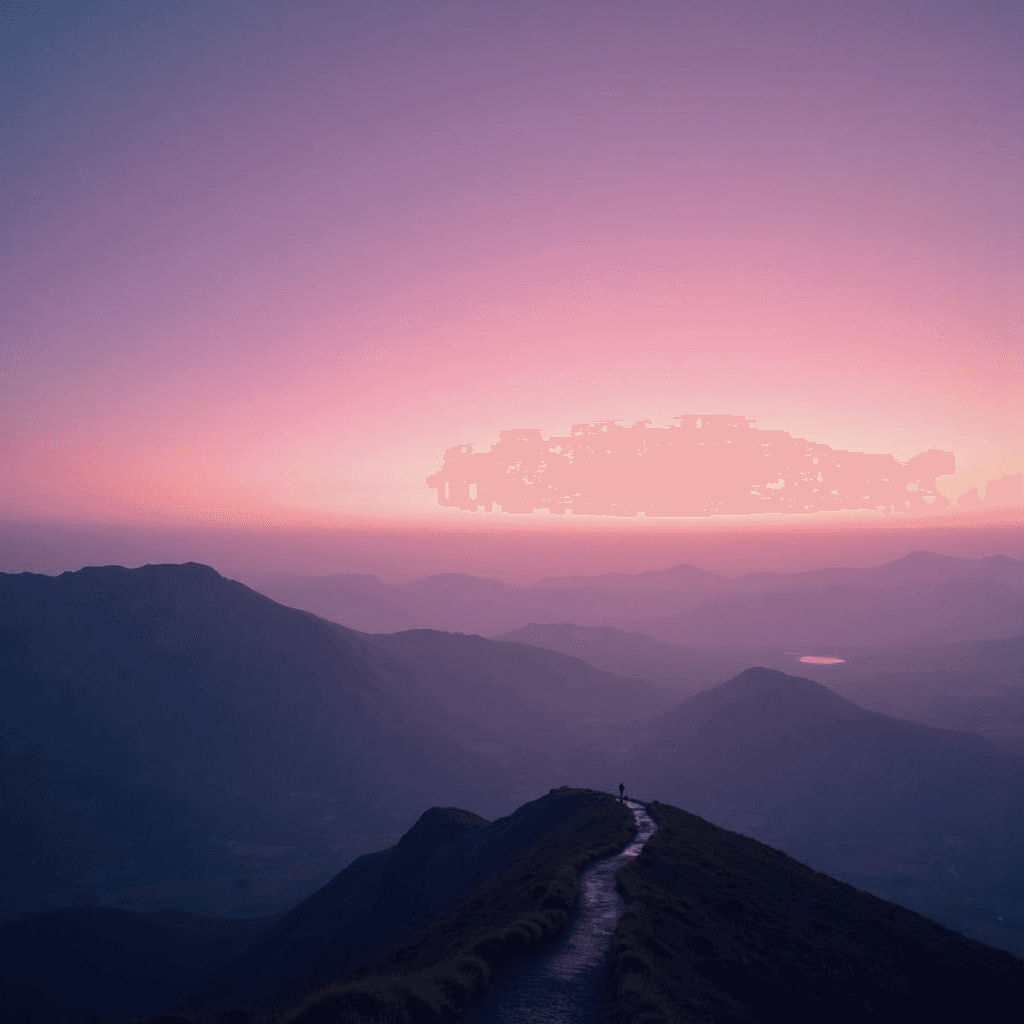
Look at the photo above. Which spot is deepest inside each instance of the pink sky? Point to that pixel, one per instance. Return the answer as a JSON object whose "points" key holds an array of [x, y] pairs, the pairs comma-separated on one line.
{"points": [[264, 263]]}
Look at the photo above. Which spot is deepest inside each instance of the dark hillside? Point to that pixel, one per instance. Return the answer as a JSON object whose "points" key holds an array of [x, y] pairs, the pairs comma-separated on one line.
{"points": [[977, 686], [383, 897], [931, 818], [158, 723], [720, 929], [519, 875], [784, 744], [517, 694]]}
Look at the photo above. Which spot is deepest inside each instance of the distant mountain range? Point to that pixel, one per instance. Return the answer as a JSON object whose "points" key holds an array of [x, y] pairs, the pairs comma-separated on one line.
{"points": [[923, 598], [677, 670], [976, 686]]}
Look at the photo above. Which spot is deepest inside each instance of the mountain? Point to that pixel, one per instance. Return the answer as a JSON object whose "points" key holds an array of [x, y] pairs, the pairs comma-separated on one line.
{"points": [[384, 897], [720, 928], [164, 727], [717, 928], [977, 686], [514, 693], [923, 598], [169, 737], [931, 817], [481, 892], [452, 602]]}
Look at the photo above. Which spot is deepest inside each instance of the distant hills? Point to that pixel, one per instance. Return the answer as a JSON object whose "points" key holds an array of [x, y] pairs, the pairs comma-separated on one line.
{"points": [[677, 670], [976, 685], [923, 598]]}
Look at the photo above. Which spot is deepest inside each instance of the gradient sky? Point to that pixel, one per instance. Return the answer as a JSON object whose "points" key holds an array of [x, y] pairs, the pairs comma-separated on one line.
{"points": [[264, 261]]}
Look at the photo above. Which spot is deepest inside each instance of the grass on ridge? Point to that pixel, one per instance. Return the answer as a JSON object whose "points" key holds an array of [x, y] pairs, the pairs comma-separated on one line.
{"points": [[439, 974], [721, 929]]}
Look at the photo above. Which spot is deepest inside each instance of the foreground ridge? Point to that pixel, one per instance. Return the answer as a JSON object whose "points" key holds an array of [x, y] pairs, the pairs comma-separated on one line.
{"points": [[717, 928], [440, 972], [722, 928]]}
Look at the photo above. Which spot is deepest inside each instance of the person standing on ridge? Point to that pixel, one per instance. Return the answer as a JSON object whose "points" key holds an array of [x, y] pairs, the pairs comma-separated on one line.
{"points": [[622, 790]]}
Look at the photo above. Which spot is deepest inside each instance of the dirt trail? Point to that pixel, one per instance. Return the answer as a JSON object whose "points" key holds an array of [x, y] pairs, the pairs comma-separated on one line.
{"points": [[565, 984]]}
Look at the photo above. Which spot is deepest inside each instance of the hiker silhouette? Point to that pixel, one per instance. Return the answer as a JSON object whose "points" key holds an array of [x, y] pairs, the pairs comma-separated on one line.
{"points": [[622, 791]]}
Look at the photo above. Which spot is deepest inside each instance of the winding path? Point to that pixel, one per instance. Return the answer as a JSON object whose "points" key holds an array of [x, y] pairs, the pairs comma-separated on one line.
{"points": [[565, 984]]}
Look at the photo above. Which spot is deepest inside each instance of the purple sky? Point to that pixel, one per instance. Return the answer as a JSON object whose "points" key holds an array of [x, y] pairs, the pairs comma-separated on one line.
{"points": [[264, 262]]}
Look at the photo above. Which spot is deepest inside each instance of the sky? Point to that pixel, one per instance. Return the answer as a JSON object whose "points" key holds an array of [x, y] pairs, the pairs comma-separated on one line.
{"points": [[263, 262]]}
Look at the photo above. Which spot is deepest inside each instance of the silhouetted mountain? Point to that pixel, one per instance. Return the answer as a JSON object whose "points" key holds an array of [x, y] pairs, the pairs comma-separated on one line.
{"points": [[515, 693], [172, 738], [920, 599], [166, 723], [383, 897], [976, 686], [720, 928], [81, 964], [717, 927], [932, 817]]}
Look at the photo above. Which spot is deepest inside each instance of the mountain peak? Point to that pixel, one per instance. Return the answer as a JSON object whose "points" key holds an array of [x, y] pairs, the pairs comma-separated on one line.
{"points": [[759, 700], [194, 570], [763, 679], [445, 824], [437, 829]]}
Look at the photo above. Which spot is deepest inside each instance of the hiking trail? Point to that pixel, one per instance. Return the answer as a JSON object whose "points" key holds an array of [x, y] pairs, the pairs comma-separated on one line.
{"points": [[565, 983]]}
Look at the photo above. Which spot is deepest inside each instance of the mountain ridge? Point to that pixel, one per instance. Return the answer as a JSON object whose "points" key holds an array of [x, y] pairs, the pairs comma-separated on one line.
{"points": [[921, 598], [717, 928]]}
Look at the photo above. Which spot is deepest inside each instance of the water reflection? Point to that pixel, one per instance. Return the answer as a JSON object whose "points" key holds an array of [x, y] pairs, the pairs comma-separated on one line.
{"points": [[565, 984], [814, 659]]}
